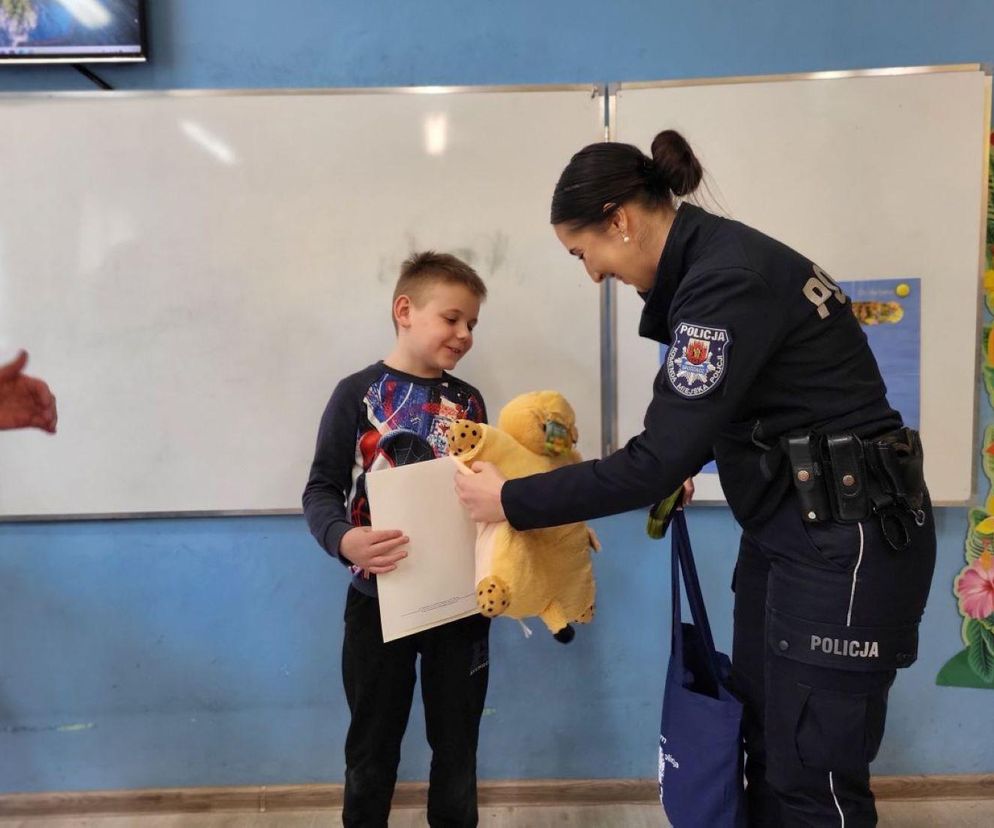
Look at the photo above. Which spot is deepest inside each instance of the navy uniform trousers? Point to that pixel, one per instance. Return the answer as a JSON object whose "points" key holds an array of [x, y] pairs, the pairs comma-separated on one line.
{"points": [[379, 686], [824, 615]]}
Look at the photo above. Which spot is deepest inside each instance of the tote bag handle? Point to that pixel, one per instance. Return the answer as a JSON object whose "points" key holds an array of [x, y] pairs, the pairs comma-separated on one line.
{"points": [[683, 559]]}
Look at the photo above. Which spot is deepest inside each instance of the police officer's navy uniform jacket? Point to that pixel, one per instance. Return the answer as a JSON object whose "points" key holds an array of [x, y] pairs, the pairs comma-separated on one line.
{"points": [[762, 342]]}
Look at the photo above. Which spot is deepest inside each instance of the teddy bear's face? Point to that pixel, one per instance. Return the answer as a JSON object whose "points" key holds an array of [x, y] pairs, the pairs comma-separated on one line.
{"points": [[542, 421], [466, 439]]}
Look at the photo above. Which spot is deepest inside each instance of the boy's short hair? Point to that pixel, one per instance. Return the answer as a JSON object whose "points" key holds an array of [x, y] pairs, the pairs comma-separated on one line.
{"points": [[420, 271]]}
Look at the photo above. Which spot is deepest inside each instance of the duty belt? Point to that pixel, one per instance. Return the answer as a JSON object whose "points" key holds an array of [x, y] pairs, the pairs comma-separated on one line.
{"points": [[845, 478]]}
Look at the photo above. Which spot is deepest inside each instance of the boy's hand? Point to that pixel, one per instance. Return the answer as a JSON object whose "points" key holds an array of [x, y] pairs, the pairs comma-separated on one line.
{"points": [[375, 550]]}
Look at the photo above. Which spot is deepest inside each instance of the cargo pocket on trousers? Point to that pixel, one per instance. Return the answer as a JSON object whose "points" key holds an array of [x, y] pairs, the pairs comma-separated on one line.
{"points": [[838, 731]]}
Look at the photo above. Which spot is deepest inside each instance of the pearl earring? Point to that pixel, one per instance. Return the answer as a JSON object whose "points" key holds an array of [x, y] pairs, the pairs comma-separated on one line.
{"points": [[626, 239]]}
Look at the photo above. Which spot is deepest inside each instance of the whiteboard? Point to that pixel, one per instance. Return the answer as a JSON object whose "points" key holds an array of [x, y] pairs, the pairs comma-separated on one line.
{"points": [[872, 177], [192, 273]]}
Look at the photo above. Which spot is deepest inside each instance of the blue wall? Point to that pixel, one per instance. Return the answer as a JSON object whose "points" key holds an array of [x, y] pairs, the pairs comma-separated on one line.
{"points": [[206, 652]]}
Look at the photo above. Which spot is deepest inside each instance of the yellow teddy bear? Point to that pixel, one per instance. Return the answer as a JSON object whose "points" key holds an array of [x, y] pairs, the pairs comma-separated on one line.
{"points": [[543, 572]]}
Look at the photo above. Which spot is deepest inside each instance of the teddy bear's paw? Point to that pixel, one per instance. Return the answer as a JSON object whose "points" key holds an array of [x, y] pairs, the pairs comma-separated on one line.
{"points": [[464, 436], [565, 635], [586, 616], [492, 596]]}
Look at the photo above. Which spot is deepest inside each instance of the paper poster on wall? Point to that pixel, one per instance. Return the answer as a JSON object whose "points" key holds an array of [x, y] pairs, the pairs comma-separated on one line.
{"points": [[889, 312]]}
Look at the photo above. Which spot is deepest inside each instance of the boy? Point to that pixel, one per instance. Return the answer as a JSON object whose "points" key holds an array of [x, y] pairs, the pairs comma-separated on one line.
{"points": [[397, 411]]}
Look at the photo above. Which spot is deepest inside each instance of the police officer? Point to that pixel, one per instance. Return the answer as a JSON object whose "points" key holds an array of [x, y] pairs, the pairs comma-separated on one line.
{"points": [[769, 373]]}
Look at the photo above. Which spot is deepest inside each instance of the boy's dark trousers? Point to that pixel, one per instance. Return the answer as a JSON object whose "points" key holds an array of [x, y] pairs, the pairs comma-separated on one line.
{"points": [[379, 686]]}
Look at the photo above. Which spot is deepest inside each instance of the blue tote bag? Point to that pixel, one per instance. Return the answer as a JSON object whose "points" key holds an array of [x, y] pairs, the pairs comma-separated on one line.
{"points": [[700, 734]]}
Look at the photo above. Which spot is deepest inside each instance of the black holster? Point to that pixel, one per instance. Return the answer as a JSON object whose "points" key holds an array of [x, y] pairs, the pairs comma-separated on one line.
{"points": [[897, 461]]}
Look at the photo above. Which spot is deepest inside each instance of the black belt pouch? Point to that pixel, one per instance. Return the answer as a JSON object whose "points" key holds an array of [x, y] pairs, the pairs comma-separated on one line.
{"points": [[847, 480]]}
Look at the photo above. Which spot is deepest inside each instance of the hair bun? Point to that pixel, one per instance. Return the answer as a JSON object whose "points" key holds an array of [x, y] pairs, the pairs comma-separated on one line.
{"points": [[676, 163]]}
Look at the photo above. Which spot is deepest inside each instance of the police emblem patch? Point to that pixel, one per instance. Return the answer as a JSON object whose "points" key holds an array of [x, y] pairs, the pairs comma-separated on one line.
{"points": [[695, 363]]}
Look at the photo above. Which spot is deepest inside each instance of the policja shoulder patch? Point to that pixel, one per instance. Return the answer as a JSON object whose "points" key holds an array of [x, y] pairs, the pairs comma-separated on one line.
{"points": [[695, 363]]}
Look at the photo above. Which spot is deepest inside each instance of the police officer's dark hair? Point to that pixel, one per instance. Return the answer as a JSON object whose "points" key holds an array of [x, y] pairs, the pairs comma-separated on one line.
{"points": [[603, 176]]}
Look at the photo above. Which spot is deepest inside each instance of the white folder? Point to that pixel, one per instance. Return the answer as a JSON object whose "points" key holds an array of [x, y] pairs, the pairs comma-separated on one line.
{"points": [[436, 582]]}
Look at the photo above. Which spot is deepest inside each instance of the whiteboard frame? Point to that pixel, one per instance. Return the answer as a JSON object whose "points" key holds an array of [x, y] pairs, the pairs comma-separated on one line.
{"points": [[711, 480], [595, 89], [820, 75]]}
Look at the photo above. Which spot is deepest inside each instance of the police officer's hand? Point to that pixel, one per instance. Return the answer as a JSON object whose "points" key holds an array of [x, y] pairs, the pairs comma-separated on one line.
{"points": [[375, 550], [25, 402], [688, 491], [480, 492]]}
